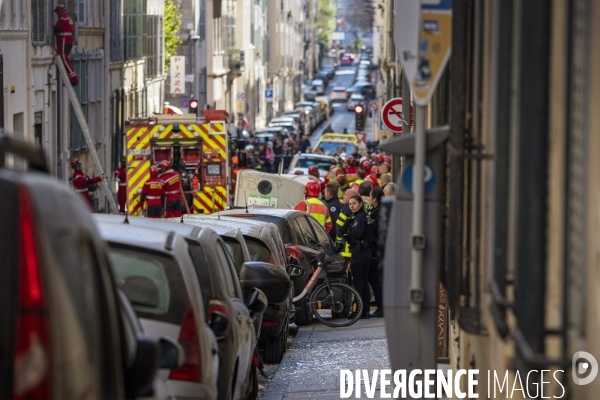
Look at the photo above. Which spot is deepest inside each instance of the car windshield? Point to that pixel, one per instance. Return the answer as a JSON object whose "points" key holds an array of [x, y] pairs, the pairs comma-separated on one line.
{"points": [[332, 147], [305, 162], [152, 282], [235, 251], [259, 251], [317, 82], [339, 90]]}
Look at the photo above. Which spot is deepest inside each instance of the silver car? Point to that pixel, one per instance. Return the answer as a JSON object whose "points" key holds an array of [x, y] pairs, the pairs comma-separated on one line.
{"points": [[156, 272]]}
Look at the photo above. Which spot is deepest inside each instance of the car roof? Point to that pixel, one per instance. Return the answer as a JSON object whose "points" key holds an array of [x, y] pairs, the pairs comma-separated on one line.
{"points": [[313, 155], [270, 129], [256, 230], [148, 238], [275, 212], [338, 137]]}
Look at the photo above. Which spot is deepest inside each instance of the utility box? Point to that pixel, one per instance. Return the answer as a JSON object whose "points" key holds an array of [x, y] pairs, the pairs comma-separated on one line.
{"points": [[412, 337]]}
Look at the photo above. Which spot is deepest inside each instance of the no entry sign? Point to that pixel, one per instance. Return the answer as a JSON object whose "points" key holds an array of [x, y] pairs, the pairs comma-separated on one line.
{"points": [[391, 115]]}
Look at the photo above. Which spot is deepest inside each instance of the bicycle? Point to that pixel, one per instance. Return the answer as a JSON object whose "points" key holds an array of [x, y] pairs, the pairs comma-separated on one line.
{"points": [[334, 304]]}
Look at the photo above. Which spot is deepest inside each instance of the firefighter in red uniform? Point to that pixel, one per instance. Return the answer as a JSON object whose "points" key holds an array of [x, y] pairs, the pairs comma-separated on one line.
{"points": [[338, 174], [82, 182], [153, 192], [314, 171], [64, 40], [172, 182], [314, 206], [121, 178]]}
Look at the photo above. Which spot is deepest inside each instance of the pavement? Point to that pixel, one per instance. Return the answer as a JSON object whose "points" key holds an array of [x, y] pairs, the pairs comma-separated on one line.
{"points": [[311, 366]]}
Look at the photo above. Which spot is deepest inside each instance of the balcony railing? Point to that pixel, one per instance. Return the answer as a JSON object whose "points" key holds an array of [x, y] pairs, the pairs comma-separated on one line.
{"points": [[236, 59]]}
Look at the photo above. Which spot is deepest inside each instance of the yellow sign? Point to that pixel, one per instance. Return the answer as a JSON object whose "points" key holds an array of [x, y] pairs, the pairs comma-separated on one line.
{"points": [[435, 44]]}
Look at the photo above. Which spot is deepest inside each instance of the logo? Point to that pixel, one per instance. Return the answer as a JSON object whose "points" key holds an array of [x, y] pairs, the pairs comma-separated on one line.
{"points": [[332, 209], [584, 363]]}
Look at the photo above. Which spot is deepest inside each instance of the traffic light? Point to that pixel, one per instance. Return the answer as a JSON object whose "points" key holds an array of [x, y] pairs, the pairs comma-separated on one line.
{"points": [[194, 106], [359, 113]]}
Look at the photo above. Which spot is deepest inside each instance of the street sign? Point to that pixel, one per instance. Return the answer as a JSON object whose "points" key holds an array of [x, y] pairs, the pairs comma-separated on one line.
{"points": [[391, 115], [435, 47], [361, 137], [406, 35], [269, 94], [429, 179]]}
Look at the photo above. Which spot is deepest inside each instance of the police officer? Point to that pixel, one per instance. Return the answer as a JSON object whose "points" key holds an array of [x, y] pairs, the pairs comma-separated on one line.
{"points": [[314, 206], [153, 192], [333, 204], [374, 275], [360, 247], [343, 221]]}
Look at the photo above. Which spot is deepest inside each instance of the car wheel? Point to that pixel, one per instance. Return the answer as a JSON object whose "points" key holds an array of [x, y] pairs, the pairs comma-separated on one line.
{"points": [[304, 315], [252, 392], [273, 351]]}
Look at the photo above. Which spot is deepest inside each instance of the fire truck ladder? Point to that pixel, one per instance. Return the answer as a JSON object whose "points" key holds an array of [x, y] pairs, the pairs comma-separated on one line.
{"points": [[86, 131]]}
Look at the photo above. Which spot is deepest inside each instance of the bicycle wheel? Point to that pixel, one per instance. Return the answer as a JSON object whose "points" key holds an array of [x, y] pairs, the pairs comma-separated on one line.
{"points": [[340, 306]]}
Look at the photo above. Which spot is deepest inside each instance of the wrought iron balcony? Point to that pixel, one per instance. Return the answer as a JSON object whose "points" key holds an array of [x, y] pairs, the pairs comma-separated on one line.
{"points": [[236, 59]]}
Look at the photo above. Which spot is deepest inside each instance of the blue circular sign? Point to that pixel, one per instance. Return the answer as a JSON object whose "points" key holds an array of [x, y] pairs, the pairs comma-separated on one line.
{"points": [[429, 179]]}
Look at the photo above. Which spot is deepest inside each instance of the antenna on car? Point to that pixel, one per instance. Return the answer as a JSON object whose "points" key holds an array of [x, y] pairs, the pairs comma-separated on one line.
{"points": [[246, 197]]}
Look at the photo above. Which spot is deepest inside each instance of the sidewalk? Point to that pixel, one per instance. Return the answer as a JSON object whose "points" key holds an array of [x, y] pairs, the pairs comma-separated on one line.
{"points": [[311, 366]]}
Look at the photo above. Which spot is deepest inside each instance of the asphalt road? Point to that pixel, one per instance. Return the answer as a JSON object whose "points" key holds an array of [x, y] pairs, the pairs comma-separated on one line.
{"points": [[341, 118]]}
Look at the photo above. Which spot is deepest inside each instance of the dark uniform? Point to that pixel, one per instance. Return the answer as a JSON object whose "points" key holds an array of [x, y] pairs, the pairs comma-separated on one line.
{"points": [[374, 275], [335, 206], [361, 259], [345, 217]]}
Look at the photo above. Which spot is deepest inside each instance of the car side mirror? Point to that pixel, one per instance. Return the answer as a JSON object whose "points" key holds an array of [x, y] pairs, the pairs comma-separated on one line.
{"points": [[257, 301], [173, 355], [139, 377], [295, 271], [219, 324]]}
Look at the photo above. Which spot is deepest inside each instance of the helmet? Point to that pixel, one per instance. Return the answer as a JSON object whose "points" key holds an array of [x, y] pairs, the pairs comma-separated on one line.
{"points": [[312, 189], [314, 171], [373, 179], [249, 149], [75, 162], [59, 9], [387, 159], [365, 165], [344, 158], [374, 170], [164, 165], [153, 171], [378, 158], [363, 158]]}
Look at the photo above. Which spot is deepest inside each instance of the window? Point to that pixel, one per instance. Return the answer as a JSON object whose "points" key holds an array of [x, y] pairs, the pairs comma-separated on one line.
{"points": [[259, 251], [303, 232], [154, 26], [135, 11], [235, 251], [116, 30], [2, 12], [23, 12], [202, 24], [82, 12], [13, 14], [40, 22], [321, 234], [224, 259], [79, 61]]}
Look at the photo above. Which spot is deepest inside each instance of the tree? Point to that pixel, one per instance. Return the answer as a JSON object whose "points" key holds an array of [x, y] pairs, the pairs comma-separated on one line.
{"points": [[172, 24], [325, 21]]}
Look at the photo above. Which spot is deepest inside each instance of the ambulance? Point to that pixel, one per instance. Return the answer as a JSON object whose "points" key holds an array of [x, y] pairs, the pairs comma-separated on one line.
{"points": [[255, 188], [200, 146]]}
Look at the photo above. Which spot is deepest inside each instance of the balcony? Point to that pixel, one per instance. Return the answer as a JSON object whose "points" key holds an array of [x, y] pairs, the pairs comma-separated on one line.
{"points": [[236, 60]]}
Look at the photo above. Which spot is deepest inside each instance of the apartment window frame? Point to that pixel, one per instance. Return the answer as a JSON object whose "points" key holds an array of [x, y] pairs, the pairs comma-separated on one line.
{"points": [[117, 38], [82, 12], [40, 23], [135, 29], [154, 40]]}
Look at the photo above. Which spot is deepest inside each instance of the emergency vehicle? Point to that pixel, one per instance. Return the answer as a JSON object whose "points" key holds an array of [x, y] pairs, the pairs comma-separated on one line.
{"points": [[201, 148]]}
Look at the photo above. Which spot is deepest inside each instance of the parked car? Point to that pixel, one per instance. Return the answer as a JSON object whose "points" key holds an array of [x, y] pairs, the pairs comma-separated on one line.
{"points": [[346, 60], [286, 122], [221, 292], [305, 239], [319, 85], [269, 134], [326, 106], [301, 162], [338, 94], [354, 100], [300, 118], [157, 274], [62, 334], [309, 92], [263, 246]]}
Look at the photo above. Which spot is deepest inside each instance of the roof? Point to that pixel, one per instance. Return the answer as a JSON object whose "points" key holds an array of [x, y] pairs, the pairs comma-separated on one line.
{"points": [[313, 155], [338, 137], [244, 226], [276, 212], [149, 238], [222, 230]]}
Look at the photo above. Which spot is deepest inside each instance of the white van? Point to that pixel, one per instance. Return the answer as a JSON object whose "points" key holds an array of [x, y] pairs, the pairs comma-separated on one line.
{"points": [[269, 190]]}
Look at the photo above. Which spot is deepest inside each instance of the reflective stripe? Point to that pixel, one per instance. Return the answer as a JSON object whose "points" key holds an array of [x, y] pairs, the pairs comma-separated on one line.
{"points": [[152, 197], [81, 190], [317, 209], [64, 34], [172, 192]]}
